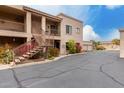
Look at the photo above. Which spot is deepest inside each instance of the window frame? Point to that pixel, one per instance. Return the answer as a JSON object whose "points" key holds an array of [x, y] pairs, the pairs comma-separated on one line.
{"points": [[68, 29], [78, 30]]}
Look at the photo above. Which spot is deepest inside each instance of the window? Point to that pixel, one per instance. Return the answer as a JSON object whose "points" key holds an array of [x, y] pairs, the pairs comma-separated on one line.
{"points": [[68, 29], [78, 30], [53, 27]]}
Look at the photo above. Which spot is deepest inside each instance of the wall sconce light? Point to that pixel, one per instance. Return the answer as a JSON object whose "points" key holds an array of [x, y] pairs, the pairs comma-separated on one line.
{"points": [[13, 39]]}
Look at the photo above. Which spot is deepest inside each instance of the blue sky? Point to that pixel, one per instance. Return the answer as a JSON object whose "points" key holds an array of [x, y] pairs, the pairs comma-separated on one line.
{"points": [[99, 22]]}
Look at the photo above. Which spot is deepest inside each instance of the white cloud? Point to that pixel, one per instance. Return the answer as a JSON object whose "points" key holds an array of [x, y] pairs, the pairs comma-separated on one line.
{"points": [[113, 35], [111, 7], [89, 33]]}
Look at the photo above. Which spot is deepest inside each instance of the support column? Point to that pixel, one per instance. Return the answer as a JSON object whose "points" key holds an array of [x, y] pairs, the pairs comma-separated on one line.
{"points": [[121, 43], [62, 47], [43, 24], [28, 25]]}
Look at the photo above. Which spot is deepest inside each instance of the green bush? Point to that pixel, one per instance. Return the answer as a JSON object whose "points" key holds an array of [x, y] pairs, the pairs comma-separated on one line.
{"points": [[53, 52], [71, 45]]}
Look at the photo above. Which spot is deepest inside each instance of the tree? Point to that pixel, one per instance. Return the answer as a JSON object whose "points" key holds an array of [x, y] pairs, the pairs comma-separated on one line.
{"points": [[116, 42], [96, 44]]}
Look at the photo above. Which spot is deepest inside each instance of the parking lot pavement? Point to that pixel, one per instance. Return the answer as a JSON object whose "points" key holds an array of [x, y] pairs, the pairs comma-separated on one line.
{"points": [[102, 69]]}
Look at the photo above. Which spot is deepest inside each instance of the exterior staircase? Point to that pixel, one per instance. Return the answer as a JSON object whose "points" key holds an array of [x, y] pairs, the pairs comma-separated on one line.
{"points": [[30, 48]]}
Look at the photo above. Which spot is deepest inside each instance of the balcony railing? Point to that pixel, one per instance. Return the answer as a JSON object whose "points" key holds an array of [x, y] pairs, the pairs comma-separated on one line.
{"points": [[53, 32], [11, 25]]}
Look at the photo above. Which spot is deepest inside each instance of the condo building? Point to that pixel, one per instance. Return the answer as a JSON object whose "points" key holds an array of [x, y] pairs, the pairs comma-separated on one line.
{"points": [[19, 24]]}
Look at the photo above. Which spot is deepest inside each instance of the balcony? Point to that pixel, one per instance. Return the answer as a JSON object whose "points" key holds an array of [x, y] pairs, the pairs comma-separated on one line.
{"points": [[53, 32], [11, 25]]}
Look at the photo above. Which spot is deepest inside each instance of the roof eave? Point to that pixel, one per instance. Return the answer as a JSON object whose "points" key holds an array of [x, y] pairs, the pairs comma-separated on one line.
{"points": [[70, 17], [41, 13]]}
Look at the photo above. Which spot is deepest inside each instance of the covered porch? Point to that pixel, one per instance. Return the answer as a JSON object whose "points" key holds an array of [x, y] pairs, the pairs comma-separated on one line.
{"points": [[11, 41], [54, 43]]}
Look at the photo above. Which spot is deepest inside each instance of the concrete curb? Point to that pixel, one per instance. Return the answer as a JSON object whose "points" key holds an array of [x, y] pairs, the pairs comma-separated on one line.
{"points": [[2, 67], [46, 61]]}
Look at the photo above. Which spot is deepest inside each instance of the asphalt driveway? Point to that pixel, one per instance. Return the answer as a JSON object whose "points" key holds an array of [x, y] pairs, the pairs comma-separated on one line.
{"points": [[102, 69]]}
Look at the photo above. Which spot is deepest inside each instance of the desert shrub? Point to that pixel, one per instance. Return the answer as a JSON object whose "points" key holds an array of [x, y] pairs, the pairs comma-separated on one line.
{"points": [[100, 47], [51, 58], [71, 46], [1, 61], [6, 55], [8, 46], [53, 52], [2, 50]]}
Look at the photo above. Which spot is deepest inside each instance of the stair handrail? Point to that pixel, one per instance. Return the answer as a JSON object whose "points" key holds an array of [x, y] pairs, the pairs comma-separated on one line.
{"points": [[23, 44], [42, 36], [24, 48]]}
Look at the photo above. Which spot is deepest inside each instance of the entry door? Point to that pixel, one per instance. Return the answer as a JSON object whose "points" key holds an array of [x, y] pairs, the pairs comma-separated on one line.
{"points": [[57, 44]]}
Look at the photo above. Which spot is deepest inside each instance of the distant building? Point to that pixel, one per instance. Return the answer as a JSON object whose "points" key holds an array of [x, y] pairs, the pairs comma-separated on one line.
{"points": [[108, 45], [87, 45]]}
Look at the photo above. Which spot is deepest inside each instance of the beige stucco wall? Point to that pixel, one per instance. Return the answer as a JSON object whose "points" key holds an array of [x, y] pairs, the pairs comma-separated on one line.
{"points": [[36, 24], [11, 28], [75, 36], [122, 43], [14, 34]]}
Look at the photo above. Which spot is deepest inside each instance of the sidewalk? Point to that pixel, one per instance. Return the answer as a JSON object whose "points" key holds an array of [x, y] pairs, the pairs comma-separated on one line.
{"points": [[6, 66], [38, 62]]}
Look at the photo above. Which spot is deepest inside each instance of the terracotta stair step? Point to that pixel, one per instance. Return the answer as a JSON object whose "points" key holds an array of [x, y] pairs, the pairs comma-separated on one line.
{"points": [[40, 47], [37, 49], [17, 60], [21, 58], [26, 56], [33, 51], [29, 53]]}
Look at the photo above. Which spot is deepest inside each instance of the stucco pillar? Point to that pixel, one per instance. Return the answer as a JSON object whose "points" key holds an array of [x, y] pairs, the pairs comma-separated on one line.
{"points": [[28, 25], [62, 47], [122, 43], [43, 24]]}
